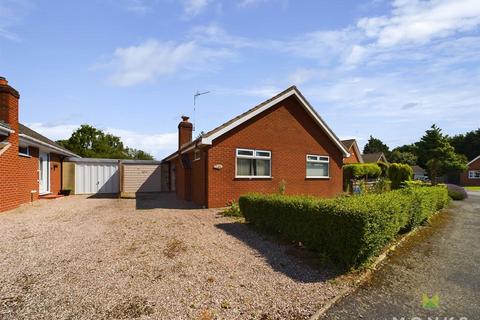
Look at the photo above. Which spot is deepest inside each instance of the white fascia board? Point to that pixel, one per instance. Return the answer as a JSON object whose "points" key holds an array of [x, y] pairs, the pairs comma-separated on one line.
{"points": [[208, 140], [6, 130], [473, 160], [27, 139]]}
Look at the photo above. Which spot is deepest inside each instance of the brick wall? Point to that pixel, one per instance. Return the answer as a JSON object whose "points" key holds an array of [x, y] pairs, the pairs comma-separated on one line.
{"points": [[9, 159], [198, 179], [465, 181], [290, 134], [19, 174], [354, 158]]}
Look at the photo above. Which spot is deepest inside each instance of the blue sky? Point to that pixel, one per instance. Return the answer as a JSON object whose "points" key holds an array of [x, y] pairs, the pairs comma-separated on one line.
{"points": [[386, 68]]}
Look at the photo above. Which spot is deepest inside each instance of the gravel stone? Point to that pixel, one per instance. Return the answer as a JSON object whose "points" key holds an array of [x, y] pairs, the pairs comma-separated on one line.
{"points": [[83, 257]]}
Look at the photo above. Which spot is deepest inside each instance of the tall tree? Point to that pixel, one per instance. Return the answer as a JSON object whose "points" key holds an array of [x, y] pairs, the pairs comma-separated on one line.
{"points": [[467, 144], [375, 145], [90, 142], [437, 155], [405, 157]]}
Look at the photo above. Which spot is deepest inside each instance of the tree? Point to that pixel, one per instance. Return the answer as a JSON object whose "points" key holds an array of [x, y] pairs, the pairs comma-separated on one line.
{"points": [[138, 154], [467, 144], [90, 142], [375, 145], [406, 157], [437, 155]]}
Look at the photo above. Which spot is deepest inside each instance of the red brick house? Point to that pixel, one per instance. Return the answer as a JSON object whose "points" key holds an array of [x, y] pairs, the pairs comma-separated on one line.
{"points": [[472, 176], [282, 140], [355, 154], [30, 164]]}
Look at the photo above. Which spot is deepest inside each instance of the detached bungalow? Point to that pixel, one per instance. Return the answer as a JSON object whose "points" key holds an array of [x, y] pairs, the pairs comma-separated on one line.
{"points": [[374, 157], [283, 140], [30, 164], [472, 176], [355, 155]]}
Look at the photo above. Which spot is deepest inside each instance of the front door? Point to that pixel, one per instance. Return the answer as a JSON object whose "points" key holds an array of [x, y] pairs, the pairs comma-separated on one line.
{"points": [[44, 172]]}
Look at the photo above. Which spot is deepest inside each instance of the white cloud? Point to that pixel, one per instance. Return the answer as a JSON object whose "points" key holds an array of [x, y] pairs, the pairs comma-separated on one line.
{"points": [[301, 75], [12, 12], [157, 144], [139, 7], [154, 59], [416, 21], [195, 7]]}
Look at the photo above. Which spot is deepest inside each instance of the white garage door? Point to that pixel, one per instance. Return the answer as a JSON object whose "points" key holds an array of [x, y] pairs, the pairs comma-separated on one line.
{"points": [[91, 178]]}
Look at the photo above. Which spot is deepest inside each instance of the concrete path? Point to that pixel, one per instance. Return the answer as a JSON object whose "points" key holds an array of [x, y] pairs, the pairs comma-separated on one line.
{"points": [[443, 259]]}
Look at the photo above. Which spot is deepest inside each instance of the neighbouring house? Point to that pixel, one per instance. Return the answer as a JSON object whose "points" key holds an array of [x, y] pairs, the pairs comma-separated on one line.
{"points": [[419, 173], [30, 164], [375, 157], [472, 176], [355, 155], [282, 141]]}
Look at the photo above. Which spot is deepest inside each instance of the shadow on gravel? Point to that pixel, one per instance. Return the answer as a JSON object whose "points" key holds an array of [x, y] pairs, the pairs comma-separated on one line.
{"points": [[297, 263], [158, 200]]}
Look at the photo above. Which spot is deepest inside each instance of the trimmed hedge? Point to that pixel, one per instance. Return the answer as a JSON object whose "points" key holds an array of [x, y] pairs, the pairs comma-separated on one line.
{"points": [[361, 170], [456, 192], [398, 173], [348, 230]]}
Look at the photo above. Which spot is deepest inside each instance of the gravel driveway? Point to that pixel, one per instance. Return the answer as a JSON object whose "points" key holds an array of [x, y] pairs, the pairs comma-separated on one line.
{"points": [[81, 258]]}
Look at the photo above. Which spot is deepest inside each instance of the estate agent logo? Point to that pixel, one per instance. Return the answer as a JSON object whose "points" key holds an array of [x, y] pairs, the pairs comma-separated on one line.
{"points": [[430, 303]]}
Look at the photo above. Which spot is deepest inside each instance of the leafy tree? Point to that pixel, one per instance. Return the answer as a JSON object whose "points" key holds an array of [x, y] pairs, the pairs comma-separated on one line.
{"points": [[406, 157], [138, 154], [90, 142], [375, 145], [467, 144], [412, 148], [437, 155]]}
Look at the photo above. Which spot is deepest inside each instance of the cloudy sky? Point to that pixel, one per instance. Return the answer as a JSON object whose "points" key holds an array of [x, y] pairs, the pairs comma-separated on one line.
{"points": [[131, 67]]}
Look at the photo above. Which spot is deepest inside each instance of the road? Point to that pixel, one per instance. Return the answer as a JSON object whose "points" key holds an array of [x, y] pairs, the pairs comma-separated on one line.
{"points": [[443, 259]]}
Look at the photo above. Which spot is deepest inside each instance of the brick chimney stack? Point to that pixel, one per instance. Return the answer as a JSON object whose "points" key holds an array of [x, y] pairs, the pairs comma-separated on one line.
{"points": [[185, 129], [9, 104]]}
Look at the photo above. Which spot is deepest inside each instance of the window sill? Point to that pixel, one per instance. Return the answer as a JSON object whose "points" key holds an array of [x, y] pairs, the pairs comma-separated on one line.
{"points": [[252, 178], [24, 155], [316, 178]]}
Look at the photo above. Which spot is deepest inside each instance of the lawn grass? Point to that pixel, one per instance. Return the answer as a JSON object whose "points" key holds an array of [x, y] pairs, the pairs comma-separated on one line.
{"points": [[473, 188]]}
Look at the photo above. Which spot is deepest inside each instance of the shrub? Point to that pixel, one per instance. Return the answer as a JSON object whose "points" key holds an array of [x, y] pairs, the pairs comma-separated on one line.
{"points": [[232, 210], [382, 185], [456, 192], [398, 173], [384, 167], [348, 230], [361, 170], [414, 184]]}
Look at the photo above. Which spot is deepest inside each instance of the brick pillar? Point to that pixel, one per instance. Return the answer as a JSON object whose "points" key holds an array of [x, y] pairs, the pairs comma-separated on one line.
{"points": [[9, 162]]}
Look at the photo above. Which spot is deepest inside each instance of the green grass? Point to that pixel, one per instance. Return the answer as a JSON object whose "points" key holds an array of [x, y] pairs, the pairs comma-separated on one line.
{"points": [[473, 188]]}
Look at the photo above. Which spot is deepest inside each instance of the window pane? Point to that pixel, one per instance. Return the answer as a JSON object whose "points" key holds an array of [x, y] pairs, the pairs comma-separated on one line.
{"points": [[316, 169], [263, 167], [244, 167], [245, 152], [312, 158], [263, 154], [323, 158]]}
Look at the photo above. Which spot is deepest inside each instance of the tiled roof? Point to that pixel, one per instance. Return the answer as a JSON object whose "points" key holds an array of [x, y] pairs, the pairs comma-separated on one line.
{"points": [[348, 143], [35, 135]]}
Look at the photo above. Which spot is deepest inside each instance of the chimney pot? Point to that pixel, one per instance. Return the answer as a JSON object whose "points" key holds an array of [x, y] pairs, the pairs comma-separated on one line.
{"points": [[185, 129], [185, 118], [3, 81]]}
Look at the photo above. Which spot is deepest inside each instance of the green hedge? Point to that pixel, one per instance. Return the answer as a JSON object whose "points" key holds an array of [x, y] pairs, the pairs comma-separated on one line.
{"points": [[361, 170], [398, 173], [348, 230]]}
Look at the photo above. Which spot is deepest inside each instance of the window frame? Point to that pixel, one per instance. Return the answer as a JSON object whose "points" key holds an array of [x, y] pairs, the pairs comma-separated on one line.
{"points": [[472, 173], [195, 153], [24, 154], [254, 156], [318, 160]]}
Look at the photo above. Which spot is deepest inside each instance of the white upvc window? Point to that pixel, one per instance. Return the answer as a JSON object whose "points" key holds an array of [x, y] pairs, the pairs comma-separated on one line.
{"points": [[24, 151], [474, 174], [252, 163], [196, 155], [318, 166]]}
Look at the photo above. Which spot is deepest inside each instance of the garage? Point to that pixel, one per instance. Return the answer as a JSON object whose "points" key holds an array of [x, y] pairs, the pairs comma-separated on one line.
{"points": [[141, 176], [91, 176]]}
